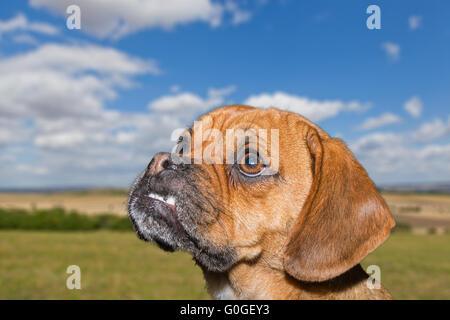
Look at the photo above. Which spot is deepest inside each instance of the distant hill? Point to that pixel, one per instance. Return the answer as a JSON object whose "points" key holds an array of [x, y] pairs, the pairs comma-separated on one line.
{"points": [[443, 188], [78, 191], [417, 187]]}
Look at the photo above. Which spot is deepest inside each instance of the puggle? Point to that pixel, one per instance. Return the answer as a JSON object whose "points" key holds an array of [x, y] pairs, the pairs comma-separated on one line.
{"points": [[268, 204]]}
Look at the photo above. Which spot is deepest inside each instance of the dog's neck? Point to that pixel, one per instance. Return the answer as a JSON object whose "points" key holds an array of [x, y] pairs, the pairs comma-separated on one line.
{"points": [[246, 281]]}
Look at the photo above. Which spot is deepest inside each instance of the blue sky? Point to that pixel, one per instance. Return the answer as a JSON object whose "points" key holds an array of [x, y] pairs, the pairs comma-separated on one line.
{"points": [[133, 73]]}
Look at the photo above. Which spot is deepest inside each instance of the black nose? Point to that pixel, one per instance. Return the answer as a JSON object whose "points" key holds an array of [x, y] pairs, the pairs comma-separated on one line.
{"points": [[161, 161]]}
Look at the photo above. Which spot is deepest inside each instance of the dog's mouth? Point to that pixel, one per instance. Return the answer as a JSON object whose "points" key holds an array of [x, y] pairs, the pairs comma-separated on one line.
{"points": [[169, 201], [163, 208], [155, 218]]}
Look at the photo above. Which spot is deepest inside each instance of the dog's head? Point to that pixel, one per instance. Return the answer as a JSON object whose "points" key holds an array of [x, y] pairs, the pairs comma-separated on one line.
{"points": [[292, 194]]}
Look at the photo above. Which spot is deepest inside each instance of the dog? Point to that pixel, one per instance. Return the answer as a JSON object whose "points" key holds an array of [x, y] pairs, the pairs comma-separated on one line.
{"points": [[293, 227]]}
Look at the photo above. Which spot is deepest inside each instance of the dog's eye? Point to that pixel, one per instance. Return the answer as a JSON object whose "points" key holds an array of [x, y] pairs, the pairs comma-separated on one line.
{"points": [[182, 147], [181, 150], [251, 165]]}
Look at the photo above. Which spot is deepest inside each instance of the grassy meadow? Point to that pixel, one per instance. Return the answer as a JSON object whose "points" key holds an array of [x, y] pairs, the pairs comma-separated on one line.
{"points": [[114, 265], [117, 265]]}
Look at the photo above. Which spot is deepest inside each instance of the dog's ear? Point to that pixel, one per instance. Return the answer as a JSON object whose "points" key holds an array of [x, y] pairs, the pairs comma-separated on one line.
{"points": [[343, 219]]}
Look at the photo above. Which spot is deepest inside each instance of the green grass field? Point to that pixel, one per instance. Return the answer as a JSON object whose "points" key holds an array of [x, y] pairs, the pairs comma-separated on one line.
{"points": [[116, 265]]}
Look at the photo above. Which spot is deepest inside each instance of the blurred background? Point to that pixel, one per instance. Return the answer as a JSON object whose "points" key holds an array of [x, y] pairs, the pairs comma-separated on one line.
{"points": [[82, 111]]}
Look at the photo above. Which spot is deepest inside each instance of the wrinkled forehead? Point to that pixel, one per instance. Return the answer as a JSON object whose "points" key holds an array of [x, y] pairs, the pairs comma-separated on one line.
{"points": [[240, 117], [230, 118], [246, 117]]}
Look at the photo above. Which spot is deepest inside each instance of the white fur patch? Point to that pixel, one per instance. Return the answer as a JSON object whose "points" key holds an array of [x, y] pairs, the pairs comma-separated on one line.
{"points": [[220, 289]]}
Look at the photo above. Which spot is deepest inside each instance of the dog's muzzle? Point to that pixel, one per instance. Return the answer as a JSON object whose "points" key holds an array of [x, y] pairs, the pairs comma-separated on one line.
{"points": [[152, 205], [167, 206]]}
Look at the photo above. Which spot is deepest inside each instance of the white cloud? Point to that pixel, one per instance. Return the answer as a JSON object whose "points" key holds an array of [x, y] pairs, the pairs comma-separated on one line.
{"points": [[53, 102], [375, 141], [117, 18], [432, 130], [125, 137], [392, 50], [413, 106], [314, 110], [9, 133], [12, 131], [78, 58], [376, 122], [65, 80], [179, 102], [25, 39], [186, 105], [30, 169], [391, 158], [21, 23], [238, 15], [67, 139], [6, 136], [109, 148], [175, 88], [414, 22]]}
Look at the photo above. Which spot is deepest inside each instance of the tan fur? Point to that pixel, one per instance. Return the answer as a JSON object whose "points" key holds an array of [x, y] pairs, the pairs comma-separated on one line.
{"points": [[303, 236]]}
